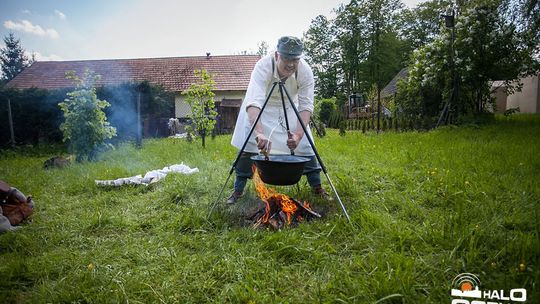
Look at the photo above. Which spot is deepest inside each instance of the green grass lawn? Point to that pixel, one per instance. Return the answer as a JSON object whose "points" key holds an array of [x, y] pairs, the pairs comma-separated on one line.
{"points": [[425, 207]]}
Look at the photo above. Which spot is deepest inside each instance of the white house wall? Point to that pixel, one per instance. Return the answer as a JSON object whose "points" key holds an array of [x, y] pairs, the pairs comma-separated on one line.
{"points": [[182, 109], [528, 100]]}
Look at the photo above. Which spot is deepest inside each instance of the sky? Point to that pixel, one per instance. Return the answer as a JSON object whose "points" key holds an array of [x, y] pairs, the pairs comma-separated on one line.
{"points": [[114, 29]]}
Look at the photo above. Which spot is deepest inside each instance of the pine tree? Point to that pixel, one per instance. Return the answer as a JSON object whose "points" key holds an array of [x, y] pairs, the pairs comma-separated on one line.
{"points": [[12, 58]]}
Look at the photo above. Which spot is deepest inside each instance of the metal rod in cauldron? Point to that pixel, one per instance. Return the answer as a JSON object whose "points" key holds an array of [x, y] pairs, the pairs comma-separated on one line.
{"points": [[242, 149], [281, 85], [315, 151]]}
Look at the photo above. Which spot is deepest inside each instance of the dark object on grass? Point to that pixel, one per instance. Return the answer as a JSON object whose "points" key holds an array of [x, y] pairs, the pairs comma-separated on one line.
{"points": [[14, 205], [511, 111], [56, 162], [280, 170]]}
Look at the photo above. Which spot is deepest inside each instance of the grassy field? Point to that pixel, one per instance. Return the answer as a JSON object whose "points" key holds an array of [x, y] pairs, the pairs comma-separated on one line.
{"points": [[425, 207]]}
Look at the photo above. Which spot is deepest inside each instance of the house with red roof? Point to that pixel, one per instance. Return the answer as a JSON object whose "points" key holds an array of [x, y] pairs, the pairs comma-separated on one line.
{"points": [[174, 74]]}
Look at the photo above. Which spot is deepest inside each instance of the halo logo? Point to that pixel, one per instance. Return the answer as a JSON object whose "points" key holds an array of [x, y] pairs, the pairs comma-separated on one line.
{"points": [[467, 285]]}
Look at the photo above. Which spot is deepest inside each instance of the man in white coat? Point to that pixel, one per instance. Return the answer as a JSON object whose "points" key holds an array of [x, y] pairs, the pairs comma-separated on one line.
{"points": [[270, 134]]}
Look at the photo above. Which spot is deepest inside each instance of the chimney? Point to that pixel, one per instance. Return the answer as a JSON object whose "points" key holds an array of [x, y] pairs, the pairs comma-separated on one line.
{"points": [[207, 55]]}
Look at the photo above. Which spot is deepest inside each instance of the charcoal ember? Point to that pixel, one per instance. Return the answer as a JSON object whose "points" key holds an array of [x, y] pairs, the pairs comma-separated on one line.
{"points": [[305, 212], [271, 215], [274, 205], [275, 223], [257, 212], [282, 216]]}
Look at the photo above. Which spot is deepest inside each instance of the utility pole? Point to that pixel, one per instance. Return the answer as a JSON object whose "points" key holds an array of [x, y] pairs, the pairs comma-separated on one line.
{"points": [[10, 119], [378, 77], [139, 129], [445, 114]]}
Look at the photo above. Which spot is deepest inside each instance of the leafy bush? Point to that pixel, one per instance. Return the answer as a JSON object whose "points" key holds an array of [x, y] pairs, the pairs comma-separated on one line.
{"points": [[85, 125], [511, 111], [335, 120], [324, 109]]}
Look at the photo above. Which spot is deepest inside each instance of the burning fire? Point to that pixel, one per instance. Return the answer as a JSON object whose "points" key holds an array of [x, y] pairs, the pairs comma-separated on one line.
{"points": [[276, 202]]}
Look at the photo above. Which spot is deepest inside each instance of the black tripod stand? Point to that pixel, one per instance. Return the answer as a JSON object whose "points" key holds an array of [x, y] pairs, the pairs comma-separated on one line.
{"points": [[310, 140]]}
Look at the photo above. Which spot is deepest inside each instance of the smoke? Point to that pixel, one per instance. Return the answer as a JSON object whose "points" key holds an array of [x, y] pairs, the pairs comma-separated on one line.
{"points": [[122, 114]]}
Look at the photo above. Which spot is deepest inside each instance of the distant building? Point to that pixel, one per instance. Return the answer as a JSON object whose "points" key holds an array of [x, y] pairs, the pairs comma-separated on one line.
{"points": [[527, 100], [390, 89], [174, 74]]}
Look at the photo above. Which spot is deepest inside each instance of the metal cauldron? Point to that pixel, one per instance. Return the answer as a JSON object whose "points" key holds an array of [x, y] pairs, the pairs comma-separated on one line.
{"points": [[280, 170]]}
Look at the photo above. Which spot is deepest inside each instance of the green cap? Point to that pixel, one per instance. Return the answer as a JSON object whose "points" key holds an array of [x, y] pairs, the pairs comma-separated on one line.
{"points": [[290, 47]]}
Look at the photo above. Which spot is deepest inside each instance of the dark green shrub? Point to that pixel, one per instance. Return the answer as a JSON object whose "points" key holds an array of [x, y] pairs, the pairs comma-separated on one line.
{"points": [[342, 127], [35, 114], [325, 108]]}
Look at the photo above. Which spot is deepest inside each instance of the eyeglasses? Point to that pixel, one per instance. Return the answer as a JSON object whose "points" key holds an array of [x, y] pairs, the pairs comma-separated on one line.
{"points": [[288, 60]]}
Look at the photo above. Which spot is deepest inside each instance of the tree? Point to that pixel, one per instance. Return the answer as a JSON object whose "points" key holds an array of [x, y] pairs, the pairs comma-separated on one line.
{"points": [[262, 48], [351, 46], [487, 47], [85, 125], [382, 47], [12, 58], [525, 16], [367, 43], [320, 49], [422, 24], [200, 97]]}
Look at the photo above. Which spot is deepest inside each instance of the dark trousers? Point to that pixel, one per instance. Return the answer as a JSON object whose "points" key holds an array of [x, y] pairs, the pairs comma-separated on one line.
{"points": [[243, 169]]}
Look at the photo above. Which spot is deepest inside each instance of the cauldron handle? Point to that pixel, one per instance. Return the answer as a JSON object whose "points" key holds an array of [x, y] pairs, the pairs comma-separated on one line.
{"points": [[289, 134]]}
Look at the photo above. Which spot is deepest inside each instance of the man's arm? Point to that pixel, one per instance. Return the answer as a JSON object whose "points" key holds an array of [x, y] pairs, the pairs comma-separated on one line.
{"points": [[305, 103], [261, 139], [296, 136]]}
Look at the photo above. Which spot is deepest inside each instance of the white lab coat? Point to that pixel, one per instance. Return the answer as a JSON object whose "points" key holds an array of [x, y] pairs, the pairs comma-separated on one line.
{"points": [[301, 91]]}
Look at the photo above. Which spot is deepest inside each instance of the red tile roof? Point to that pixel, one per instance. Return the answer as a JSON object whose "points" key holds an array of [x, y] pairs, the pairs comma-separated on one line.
{"points": [[173, 74]]}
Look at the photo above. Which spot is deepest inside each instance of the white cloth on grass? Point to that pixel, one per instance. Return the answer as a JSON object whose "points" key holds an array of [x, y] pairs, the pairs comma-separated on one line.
{"points": [[149, 177]]}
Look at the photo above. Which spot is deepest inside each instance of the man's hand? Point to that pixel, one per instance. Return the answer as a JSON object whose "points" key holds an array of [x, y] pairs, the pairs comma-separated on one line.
{"points": [[263, 143], [293, 140]]}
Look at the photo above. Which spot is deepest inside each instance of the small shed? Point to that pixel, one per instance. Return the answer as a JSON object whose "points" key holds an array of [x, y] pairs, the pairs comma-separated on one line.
{"points": [[228, 112]]}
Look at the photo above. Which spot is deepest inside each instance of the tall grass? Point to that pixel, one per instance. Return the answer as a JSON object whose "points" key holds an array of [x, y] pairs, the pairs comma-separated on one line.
{"points": [[425, 207]]}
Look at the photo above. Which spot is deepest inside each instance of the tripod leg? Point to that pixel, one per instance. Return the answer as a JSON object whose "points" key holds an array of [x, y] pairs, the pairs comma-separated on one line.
{"points": [[315, 151], [337, 196], [219, 196]]}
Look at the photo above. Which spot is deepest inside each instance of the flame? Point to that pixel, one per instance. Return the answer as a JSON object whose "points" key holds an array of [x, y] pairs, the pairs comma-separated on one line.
{"points": [[267, 195]]}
